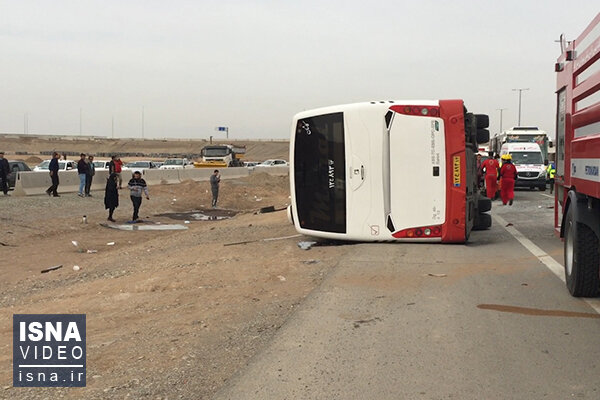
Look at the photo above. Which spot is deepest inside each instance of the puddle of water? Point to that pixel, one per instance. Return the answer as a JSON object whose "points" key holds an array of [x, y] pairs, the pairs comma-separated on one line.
{"points": [[200, 215], [204, 217], [537, 311]]}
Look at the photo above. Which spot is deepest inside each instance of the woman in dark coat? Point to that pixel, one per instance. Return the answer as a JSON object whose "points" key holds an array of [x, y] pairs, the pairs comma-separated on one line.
{"points": [[111, 195]]}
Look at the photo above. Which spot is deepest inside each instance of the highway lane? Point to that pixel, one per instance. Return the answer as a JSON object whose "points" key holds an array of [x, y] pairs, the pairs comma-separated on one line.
{"points": [[405, 321]]}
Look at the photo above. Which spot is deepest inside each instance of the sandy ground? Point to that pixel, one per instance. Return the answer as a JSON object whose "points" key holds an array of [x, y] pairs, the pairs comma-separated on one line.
{"points": [[170, 314]]}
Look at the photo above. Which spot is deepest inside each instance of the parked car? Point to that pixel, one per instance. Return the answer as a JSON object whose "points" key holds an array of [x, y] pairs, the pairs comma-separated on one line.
{"points": [[251, 164], [15, 167], [272, 163], [175, 163], [159, 164], [62, 165], [140, 165], [101, 165]]}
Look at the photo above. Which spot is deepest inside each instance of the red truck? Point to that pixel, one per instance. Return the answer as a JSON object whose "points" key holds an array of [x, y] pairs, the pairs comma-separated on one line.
{"points": [[577, 198]]}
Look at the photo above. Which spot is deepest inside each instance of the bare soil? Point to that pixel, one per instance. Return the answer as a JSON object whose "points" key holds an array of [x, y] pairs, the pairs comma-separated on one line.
{"points": [[170, 314]]}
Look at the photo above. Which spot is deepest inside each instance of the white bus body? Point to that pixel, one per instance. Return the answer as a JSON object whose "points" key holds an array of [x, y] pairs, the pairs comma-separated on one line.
{"points": [[394, 170]]}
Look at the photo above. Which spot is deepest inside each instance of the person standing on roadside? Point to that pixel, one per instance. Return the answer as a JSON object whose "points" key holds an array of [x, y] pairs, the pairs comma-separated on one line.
{"points": [[508, 173], [111, 165], [490, 166], [215, 179], [118, 170], [137, 186], [111, 196], [89, 175], [4, 171], [82, 169], [551, 171], [53, 167]]}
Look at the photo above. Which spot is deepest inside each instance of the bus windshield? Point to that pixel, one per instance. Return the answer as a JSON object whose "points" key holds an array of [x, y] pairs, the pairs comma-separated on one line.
{"points": [[527, 157], [319, 173]]}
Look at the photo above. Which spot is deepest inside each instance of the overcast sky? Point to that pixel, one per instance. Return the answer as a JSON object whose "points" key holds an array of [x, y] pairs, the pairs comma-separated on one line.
{"points": [[251, 65]]}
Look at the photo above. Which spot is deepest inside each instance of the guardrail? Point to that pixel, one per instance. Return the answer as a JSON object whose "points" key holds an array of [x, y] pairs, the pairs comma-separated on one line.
{"points": [[35, 183]]}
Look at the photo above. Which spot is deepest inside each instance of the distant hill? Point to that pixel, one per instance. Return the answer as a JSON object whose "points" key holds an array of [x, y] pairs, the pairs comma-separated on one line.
{"points": [[21, 145]]}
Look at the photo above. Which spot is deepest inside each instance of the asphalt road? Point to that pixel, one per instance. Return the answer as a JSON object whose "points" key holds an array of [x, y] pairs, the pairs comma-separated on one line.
{"points": [[487, 320]]}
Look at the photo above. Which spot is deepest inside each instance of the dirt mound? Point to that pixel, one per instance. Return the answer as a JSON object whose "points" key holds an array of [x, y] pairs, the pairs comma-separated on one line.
{"points": [[33, 160]]}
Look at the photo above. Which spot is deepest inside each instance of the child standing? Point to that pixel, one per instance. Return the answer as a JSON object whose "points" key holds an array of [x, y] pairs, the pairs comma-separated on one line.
{"points": [[137, 186]]}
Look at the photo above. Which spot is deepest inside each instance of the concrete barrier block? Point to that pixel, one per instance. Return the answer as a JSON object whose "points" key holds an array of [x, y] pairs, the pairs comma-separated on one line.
{"points": [[234, 172], [283, 170], [99, 180], [196, 174], [161, 176]]}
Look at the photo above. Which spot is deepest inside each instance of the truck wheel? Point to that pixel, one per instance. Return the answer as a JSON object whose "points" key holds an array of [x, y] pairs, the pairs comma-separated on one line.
{"points": [[581, 258], [484, 205], [482, 221]]}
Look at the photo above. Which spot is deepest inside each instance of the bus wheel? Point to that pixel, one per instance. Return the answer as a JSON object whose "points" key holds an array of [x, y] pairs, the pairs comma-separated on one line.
{"points": [[482, 222], [484, 204], [581, 257], [483, 136]]}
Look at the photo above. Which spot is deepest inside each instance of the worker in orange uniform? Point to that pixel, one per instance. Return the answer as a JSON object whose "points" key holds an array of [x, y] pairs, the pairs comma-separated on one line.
{"points": [[508, 173], [491, 176]]}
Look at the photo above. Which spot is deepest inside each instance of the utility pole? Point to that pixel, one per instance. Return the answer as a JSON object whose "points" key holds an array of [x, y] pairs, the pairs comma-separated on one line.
{"points": [[520, 90], [500, 109], [142, 122], [113, 126], [80, 120], [26, 123]]}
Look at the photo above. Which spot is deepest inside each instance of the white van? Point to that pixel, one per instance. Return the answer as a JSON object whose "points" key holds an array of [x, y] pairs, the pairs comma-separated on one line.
{"points": [[529, 161]]}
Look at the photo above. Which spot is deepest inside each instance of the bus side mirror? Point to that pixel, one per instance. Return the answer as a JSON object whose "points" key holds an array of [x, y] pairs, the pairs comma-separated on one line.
{"points": [[551, 144]]}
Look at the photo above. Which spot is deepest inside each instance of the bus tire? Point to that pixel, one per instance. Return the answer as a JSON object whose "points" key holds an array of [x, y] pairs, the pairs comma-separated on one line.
{"points": [[482, 221], [483, 136], [484, 205], [483, 121], [581, 257]]}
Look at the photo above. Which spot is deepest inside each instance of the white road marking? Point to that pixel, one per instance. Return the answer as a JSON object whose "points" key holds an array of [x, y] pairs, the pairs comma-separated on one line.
{"points": [[547, 195], [554, 266]]}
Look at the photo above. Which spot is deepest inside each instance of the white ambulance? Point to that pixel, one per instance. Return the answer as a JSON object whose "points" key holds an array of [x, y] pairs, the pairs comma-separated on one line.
{"points": [[529, 160]]}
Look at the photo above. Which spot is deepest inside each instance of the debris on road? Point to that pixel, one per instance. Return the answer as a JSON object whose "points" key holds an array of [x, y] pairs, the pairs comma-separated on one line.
{"points": [[310, 261], [76, 268], [306, 245], [509, 224], [437, 275], [262, 240], [157, 227], [281, 278], [110, 243], [90, 251], [51, 268]]}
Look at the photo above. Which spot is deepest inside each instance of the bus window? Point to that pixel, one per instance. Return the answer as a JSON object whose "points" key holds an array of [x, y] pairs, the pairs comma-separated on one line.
{"points": [[319, 173]]}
